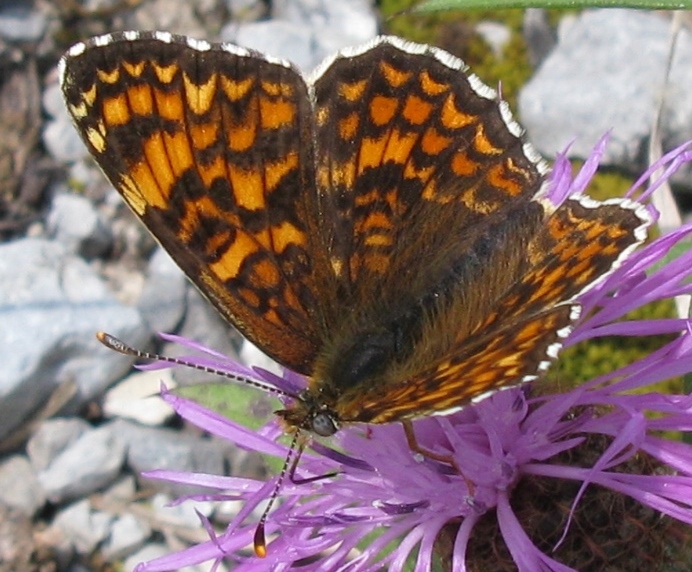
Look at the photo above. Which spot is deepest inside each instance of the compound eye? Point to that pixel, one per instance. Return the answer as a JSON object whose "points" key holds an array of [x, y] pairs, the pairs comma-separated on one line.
{"points": [[323, 424]]}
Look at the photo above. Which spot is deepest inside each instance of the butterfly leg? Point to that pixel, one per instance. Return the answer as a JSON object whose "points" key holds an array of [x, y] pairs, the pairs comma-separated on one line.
{"points": [[294, 465], [416, 447]]}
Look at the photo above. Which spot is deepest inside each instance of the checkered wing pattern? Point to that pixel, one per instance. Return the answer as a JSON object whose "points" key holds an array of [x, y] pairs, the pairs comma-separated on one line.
{"points": [[210, 147], [404, 136]]}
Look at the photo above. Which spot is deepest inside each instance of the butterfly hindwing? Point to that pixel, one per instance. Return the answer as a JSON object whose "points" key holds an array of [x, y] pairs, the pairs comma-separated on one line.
{"points": [[576, 246], [472, 370]]}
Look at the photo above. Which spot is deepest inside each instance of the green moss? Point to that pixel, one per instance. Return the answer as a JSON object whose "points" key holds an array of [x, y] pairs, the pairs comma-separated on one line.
{"points": [[77, 186], [606, 184]]}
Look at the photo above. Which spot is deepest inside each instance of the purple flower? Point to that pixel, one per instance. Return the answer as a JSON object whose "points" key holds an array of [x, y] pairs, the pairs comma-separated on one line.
{"points": [[557, 477]]}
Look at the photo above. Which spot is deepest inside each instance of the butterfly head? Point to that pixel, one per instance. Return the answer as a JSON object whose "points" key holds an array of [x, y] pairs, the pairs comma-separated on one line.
{"points": [[310, 411]]}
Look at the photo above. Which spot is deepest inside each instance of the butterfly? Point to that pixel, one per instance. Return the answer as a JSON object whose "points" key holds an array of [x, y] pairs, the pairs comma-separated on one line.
{"points": [[379, 226]]}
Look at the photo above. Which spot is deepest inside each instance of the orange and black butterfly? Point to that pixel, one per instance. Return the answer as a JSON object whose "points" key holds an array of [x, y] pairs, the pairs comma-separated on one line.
{"points": [[379, 226]]}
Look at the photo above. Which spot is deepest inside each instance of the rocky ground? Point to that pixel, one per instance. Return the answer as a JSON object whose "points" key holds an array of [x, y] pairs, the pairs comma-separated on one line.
{"points": [[76, 425]]}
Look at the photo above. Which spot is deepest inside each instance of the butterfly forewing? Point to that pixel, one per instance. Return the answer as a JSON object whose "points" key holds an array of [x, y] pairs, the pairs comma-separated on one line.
{"points": [[404, 135], [429, 188], [211, 148]]}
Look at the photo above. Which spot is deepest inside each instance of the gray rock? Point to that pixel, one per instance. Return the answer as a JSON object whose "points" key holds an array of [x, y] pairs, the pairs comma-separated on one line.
{"points": [[334, 25], [136, 397], [252, 356], [103, 6], [127, 535], [84, 527], [62, 141], [123, 490], [86, 465], [19, 487], [17, 543], [169, 15], [52, 100], [539, 35], [86, 175], [74, 222], [152, 448], [607, 72], [163, 298], [51, 305], [275, 38], [52, 437], [306, 31], [225, 511], [20, 22]]}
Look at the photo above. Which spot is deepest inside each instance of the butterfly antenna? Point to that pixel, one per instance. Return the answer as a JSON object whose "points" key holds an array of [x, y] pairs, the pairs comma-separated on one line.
{"points": [[119, 346], [294, 452]]}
